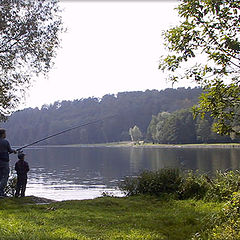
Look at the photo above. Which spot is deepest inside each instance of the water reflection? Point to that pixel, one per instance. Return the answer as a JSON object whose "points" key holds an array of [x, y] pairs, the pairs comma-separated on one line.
{"points": [[63, 173]]}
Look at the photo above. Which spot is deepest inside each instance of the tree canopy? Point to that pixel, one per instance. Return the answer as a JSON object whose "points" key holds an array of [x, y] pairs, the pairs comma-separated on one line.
{"points": [[205, 47], [135, 134], [132, 108], [29, 36], [179, 127], [159, 117]]}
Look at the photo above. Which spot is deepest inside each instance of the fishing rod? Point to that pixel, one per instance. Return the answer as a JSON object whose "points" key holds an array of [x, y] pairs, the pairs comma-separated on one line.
{"points": [[66, 130]]}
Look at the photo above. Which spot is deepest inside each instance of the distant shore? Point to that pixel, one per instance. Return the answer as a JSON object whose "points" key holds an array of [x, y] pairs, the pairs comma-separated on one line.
{"points": [[152, 145], [216, 145]]}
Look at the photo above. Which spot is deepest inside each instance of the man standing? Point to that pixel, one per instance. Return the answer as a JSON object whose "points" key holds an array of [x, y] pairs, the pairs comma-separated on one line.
{"points": [[5, 149]]}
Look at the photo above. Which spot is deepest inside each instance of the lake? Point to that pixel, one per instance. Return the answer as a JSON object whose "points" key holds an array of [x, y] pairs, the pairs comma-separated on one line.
{"points": [[66, 173]]}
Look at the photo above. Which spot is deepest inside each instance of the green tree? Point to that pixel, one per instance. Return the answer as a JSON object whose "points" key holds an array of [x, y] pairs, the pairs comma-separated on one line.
{"points": [[186, 126], [154, 131], [177, 127], [206, 43], [29, 37], [135, 133], [133, 108], [203, 129]]}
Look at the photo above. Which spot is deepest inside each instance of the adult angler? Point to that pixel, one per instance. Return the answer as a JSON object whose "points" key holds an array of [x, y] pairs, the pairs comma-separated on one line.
{"points": [[5, 149]]}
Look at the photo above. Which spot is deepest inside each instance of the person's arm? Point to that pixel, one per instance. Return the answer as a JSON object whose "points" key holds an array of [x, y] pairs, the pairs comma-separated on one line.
{"points": [[27, 167], [10, 150]]}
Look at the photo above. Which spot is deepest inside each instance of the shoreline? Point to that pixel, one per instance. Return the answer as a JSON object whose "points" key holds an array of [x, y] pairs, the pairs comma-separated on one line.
{"points": [[216, 145], [148, 145]]}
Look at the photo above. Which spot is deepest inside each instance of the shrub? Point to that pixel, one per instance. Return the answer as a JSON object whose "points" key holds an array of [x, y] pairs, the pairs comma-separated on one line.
{"points": [[11, 185], [153, 183], [224, 226], [224, 184], [193, 185], [184, 185]]}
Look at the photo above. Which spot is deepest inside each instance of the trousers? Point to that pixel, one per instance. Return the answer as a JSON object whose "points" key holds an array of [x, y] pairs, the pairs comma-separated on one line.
{"points": [[4, 174], [21, 185]]}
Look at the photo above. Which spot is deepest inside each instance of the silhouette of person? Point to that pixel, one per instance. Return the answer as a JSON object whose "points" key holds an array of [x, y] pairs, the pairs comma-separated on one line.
{"points": [[5, 149], [22, 169]]}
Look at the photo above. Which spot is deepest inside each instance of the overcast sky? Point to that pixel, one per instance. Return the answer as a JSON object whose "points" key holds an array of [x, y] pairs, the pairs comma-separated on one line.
{"points": [[109, 47]]}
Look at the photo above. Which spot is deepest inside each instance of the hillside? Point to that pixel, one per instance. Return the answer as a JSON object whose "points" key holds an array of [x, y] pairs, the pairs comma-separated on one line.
{"points": [[133, 108]]}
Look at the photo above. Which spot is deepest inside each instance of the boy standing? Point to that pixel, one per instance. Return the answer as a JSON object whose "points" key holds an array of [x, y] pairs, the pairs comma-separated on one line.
{"points": [[22, 169]]}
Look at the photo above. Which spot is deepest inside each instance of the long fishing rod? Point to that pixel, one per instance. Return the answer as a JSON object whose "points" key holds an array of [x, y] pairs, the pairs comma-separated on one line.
{"points": [[66, 130]]}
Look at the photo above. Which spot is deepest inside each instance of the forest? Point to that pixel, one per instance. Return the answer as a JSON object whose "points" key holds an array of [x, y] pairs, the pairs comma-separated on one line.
{"points": [[135, 108], [181, 127]]}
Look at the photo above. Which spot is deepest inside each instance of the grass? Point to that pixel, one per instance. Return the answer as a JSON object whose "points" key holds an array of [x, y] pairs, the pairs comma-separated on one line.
{"points": [[132, 218]]}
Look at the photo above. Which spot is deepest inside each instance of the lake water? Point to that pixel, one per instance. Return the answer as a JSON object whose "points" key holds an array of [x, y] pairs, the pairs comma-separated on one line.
{"points": [[66, 173]]}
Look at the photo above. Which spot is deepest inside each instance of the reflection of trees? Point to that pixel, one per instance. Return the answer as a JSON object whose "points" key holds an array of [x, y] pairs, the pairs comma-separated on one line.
{"points": [[156, 159], [221, 159], [152, 159], [80, 164], [136, 158], [234, 154], [204, 160], [115, 163], [104, 164], [164, 158]]}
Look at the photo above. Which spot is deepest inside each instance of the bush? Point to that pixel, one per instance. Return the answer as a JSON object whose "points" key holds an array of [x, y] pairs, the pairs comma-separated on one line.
{"points": [[11, 185], [193, 185], [153, 183], [224, 184], [184, 185], [226, 224]]}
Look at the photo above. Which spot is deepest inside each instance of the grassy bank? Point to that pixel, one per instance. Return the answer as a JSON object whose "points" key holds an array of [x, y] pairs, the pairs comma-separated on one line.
{"points": [[132, 218]]}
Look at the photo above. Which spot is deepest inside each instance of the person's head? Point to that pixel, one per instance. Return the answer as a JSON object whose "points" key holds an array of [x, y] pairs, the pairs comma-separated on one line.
{"points": [[2, 133], [21, 156]]}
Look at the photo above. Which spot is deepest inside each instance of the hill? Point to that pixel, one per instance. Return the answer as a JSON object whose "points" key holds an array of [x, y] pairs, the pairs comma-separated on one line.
{"points": [[133, 108]]}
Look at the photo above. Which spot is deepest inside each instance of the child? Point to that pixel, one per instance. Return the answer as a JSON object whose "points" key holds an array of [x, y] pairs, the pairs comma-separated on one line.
{"points": [[22, 168]]}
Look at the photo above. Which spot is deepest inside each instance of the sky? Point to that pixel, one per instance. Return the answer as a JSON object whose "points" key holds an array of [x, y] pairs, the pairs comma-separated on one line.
{"points": [[109, 47]]}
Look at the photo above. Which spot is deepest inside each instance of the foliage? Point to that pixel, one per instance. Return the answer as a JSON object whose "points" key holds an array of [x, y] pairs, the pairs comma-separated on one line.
{"points": [[223, 185], [155, 128], [193, 185], [135, 133], [29, 36], [180, 127], [132, 218], [224, 225], [203, 129], [153, 183], [183, 185], [205, 47], [11, 185], [132, 108]]}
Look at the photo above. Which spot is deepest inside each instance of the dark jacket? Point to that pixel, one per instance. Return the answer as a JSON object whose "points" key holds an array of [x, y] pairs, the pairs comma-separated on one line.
{"points": [[21, 168], [5, 149]]}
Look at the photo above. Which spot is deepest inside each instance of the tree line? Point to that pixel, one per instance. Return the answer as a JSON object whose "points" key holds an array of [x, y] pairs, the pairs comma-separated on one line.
{"points": [[181, 127], [29, 40], [132, 108]]}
